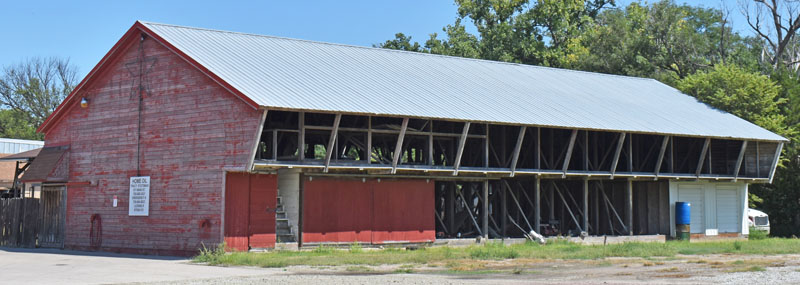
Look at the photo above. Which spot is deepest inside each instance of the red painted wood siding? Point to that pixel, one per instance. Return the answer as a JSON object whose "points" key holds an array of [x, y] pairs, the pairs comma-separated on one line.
{"points": [[342, 210], [337, 211], [237, 216], [250, 201], [192, 131], [263, 199], [403, 210]]}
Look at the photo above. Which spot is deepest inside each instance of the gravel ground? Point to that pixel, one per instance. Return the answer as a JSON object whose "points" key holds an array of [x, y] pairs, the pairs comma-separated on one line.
{"points": [[772, 275]]}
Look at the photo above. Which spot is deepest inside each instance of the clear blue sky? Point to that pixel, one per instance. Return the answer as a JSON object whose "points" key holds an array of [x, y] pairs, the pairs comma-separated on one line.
{"points": [[85, 32]]}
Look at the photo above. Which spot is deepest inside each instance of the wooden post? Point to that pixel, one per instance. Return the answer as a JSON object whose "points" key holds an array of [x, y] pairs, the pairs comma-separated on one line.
{"points": [[570, 147], [629, 212], [617, 153], [301, 137], [586, 205], [775, 161], [257, 142], [702, 157], [537, 199], [739, 161], [332, 141], [517, 149], [504, 208], [661, 156], [485, 211], [369, 139], [461, 143], [398, 149]]}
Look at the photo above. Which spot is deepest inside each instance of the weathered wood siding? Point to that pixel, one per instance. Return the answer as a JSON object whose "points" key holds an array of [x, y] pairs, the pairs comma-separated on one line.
{"points": [[192, 130]]}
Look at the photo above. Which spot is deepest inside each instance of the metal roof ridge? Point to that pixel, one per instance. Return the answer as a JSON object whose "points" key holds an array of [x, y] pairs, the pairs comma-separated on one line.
{"points": [[405, 52]]}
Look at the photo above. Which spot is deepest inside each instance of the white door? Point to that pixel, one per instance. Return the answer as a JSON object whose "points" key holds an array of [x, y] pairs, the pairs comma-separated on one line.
{"points": [[728, 216], [694, 194]]}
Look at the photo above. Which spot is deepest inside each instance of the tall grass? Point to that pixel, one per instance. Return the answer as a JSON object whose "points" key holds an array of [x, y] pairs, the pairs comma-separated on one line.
{"points": [[328, 256]]}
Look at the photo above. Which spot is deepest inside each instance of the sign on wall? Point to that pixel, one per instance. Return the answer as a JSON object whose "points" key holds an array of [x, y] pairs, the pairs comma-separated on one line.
{"points": [[139, 196]]}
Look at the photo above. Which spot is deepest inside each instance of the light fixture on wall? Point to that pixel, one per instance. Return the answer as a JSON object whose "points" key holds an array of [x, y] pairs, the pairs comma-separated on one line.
{"points": [[84, 102]]}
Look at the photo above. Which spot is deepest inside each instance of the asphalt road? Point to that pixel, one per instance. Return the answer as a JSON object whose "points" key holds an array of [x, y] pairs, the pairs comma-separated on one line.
{"points": [[48, 266]]}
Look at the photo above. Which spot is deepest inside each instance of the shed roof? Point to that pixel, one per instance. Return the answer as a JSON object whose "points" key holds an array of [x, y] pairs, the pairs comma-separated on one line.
{"points": [[283, 73]]}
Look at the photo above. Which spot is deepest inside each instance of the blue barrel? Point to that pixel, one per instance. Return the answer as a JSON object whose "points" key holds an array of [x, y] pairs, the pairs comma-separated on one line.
{"points": [[682, 213]]}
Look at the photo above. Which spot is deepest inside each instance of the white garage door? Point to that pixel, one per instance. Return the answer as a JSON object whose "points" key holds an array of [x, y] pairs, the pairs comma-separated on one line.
{"points": [[728, 216], [694, 195]]}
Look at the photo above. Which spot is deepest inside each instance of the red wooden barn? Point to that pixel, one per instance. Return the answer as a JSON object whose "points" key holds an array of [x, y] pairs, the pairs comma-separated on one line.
{"points": [[182, 137]]}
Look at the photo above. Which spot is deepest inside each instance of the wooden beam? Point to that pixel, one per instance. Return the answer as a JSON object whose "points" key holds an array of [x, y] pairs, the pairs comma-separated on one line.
{"points": [[430, 144], [537, 199], [569, 152], [461, 143], [702, 157], [399, 147], [660, 160], [486, 148], [617, 153], [538, 148], [517, 149], [469, 208], [630, 153], [301, 136], [775, 161], [255, 145], [369, 139], [586, 205], [332, 141], [629, 204], [485, 210], [739, 161]]}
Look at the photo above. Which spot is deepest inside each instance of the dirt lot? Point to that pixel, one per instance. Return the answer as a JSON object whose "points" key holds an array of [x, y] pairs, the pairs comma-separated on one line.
{"points": [[72, 267], [694, 269]]}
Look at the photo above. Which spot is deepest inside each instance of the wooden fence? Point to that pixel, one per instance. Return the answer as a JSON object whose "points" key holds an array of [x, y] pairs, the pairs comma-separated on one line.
{"points": [[19, 222]]}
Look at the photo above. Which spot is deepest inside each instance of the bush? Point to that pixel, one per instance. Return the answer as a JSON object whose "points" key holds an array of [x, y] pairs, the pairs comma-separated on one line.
{"points": [[211, 256], [756, 234]]}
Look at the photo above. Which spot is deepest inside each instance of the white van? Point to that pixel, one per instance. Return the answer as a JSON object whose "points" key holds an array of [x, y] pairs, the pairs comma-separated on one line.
{"points": [[758, 219]]}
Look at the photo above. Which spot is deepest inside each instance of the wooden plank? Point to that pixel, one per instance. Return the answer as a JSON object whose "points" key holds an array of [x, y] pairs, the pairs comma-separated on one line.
{"points": [[517, 149], [617, 153], [485, 210], [702, 157], [775, 161], [660, 159], [629, 204], [257, 141], [537, 197], [570, 147], [739, 160], [461, 143], [332, 142], [399, 147]]}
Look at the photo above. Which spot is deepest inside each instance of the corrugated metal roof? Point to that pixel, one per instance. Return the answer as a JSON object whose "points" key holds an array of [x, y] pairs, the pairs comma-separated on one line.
{"points": [[305, 75], [10, 146]]}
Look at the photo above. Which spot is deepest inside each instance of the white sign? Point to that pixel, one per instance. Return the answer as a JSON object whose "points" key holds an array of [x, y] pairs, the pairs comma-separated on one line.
{"points": [[139, 202]]}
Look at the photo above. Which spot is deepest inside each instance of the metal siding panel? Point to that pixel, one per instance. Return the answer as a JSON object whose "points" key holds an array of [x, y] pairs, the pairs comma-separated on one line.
{"points": [[694, 194], [297, 74], [728, 214]]}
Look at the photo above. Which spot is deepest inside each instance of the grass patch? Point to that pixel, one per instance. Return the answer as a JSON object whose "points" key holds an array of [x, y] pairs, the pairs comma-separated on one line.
{"points": [[355, 255], [754, 268], [756, 234]]}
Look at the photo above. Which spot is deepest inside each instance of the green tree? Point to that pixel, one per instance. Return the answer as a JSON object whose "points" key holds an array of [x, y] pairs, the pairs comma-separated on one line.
{"points": [[662, 40], [748, 95], [36, 86], [17, 124]]}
